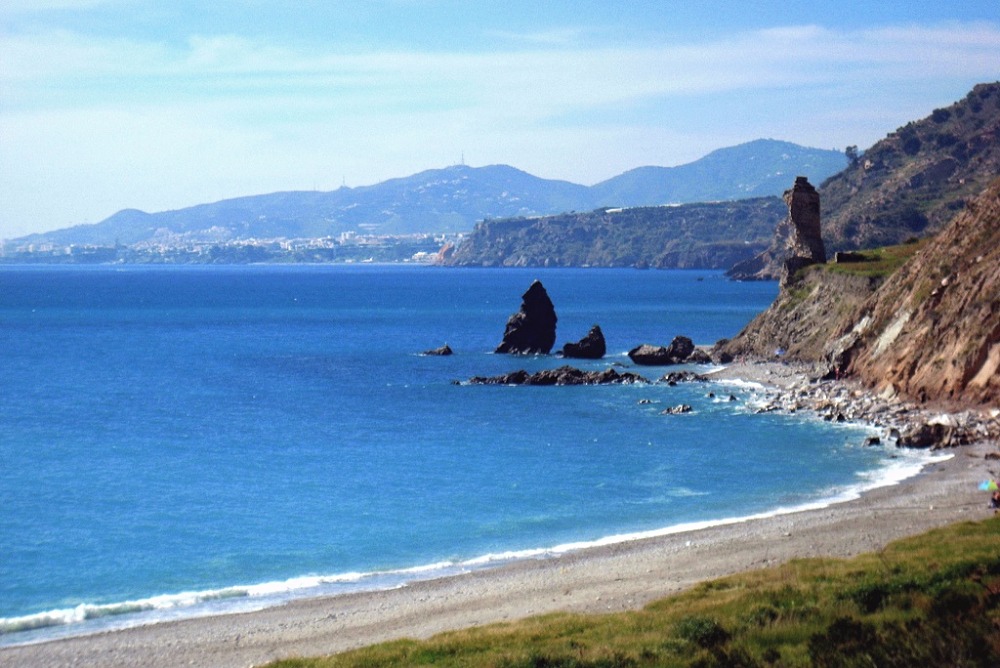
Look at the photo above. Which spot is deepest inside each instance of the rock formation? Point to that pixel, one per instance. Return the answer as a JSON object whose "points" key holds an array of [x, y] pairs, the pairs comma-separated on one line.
{"points": [[680, 351], [564, 375], [797, 239], [442, 351], [590, 347], [532, 330]]}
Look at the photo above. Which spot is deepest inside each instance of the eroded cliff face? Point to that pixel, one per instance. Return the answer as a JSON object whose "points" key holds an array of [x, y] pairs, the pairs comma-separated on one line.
{"points": [[812, 309], [932, 331]]}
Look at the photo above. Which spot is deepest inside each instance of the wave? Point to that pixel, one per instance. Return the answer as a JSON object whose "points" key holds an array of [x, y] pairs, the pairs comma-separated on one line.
{"points": [[242, 598]]}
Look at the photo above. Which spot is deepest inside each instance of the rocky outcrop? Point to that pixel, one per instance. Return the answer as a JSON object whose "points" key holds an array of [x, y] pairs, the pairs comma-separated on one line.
{"points": [[680, 351], [443, 351], [532, 330], [797, 239], [590, 347], [929, 331], [564, 375]]}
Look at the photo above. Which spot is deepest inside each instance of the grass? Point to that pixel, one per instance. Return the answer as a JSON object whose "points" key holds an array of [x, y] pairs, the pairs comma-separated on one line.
{"points": [[931, 600], [879, 262]]}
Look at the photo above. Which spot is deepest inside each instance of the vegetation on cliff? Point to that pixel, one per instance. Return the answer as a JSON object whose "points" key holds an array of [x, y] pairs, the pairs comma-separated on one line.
{"points": [[915, 180], [929, 600]]}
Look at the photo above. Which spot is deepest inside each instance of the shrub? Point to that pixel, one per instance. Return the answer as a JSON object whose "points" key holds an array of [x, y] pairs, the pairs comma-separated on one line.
{"points": [[702, 631]]}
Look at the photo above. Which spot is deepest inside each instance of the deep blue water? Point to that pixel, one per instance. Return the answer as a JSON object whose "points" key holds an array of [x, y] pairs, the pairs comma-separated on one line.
{"points": [[230, 432]]}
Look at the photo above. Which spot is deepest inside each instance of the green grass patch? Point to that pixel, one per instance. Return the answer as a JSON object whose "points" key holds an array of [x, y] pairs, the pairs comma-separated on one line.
{"points": [[931, 600], [878, 262]]}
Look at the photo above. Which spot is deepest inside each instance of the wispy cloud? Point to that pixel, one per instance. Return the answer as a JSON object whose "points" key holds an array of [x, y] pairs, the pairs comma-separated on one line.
{"points": [[548, 77], [113, 116]]}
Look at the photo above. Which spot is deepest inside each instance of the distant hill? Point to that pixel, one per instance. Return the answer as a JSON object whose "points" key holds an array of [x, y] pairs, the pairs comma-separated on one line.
{"points": [[916, 179], [760, 168], [453, 199]]}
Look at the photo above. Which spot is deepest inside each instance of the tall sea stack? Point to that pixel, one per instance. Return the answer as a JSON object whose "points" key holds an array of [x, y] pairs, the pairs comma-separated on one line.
{"points": [[796, 243], [532, 330], [804, 245]]}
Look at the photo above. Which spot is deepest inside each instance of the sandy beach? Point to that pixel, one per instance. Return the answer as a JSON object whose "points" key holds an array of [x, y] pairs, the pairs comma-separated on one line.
{"points": [[595, 580]]}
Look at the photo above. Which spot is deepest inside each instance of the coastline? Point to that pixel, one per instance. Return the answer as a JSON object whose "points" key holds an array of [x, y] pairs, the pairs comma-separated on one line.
{"points": [[613, 577]]}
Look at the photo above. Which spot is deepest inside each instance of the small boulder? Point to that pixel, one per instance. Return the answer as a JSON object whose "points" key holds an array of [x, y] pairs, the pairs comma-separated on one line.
{"points": [[678, 352], [443, 350], [590, 347]]}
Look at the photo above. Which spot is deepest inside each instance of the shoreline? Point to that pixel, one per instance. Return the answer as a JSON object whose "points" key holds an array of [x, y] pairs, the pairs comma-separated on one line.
{"points": [[617, 576]]}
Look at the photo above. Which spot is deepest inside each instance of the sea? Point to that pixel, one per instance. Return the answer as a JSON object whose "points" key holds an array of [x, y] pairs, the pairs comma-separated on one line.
{"points": [[178, 441]]}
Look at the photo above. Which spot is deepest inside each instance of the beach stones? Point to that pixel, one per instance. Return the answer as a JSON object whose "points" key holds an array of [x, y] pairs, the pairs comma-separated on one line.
{"points": [[532, 330]]}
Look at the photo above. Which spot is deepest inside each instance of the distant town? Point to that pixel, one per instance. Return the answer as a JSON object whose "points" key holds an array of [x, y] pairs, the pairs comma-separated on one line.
{"points": [[348, 247]]}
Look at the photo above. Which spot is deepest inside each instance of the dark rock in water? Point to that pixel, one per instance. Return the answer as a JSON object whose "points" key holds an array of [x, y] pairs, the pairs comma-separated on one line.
{"points": [[675, 377], [677, 410], [873, 440], [678, 352], [532, 330], [648, 355], [699, 356], [443, 350], [564, 375], [590, 347]]}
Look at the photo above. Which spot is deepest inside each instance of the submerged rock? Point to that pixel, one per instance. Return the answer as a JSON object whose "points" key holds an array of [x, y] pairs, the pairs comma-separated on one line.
{"points": [[532, 330], [590, 347]]}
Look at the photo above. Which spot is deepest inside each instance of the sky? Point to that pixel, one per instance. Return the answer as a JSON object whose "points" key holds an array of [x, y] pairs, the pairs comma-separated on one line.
{"points": [[158, 105]]}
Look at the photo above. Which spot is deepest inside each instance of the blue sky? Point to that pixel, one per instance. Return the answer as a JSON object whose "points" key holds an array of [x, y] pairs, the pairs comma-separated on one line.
{"points": [[112, 104]]}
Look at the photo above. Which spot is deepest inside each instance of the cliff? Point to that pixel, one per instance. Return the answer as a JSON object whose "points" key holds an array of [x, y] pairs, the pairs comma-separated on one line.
{"points": [[928, 330], [932, 331], [714, 236]]}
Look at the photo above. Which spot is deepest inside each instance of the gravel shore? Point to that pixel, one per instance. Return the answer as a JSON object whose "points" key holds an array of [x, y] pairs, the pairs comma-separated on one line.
{"points": [[601, 579]]}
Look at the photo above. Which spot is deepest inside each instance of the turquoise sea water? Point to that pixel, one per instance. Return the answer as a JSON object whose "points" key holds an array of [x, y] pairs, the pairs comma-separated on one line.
{"points": [[177, 441]]}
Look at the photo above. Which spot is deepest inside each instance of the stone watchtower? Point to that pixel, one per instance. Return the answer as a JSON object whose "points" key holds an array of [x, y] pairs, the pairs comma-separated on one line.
{"points": [[804, 243]]}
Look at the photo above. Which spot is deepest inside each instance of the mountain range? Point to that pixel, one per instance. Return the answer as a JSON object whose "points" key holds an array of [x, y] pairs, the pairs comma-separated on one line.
{"points": [[453, 199]]}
